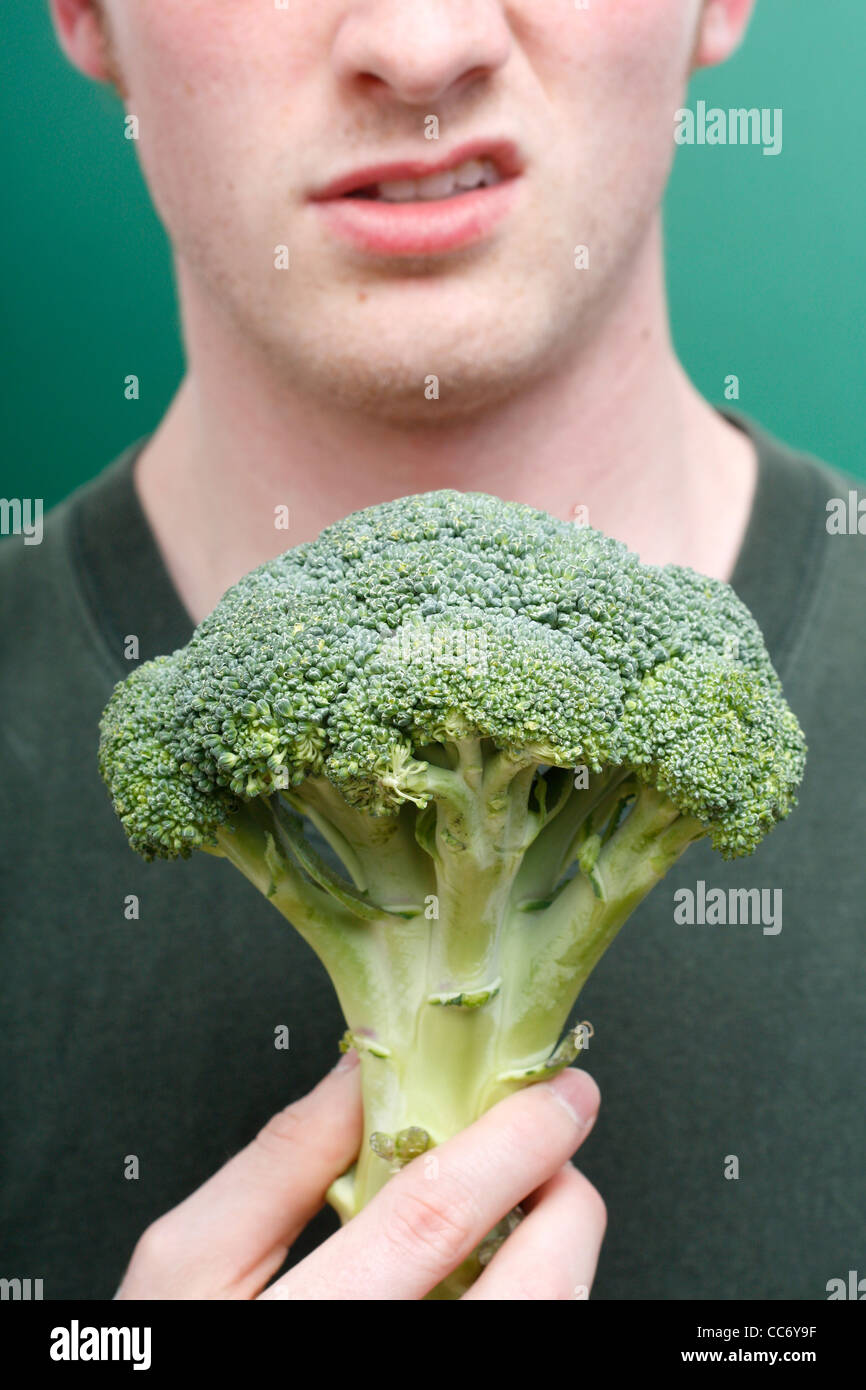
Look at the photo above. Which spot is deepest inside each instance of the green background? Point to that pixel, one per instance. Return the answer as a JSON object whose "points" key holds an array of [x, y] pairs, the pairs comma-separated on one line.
{"points": [[765, 254]]}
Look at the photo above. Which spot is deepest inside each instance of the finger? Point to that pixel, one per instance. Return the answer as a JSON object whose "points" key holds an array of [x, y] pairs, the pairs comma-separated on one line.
{"points": [[431, 1215], [233, 1233], [553, 1253]]}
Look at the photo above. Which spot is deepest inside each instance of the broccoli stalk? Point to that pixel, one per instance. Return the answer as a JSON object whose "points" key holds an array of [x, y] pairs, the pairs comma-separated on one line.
{"points": [[507, 730], [457, 995]]}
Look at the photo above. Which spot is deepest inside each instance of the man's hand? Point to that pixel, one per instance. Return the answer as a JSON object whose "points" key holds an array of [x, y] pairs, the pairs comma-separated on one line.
{"points": [[233, 1234]]}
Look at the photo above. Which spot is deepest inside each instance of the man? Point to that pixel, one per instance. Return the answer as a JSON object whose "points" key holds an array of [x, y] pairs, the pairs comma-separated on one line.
{"points": [[374, 209]]}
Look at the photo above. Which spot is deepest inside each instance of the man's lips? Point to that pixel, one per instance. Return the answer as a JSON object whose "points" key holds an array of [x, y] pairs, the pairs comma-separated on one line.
{"points": [[502, 153], [422, 222]]}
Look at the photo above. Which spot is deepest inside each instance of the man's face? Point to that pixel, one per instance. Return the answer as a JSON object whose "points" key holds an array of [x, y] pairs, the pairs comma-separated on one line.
{"points": [[249, 114]]}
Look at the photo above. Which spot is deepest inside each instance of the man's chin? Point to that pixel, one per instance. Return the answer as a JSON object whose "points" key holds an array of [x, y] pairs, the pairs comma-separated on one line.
{"points": [[443, 387], [444, 399]]}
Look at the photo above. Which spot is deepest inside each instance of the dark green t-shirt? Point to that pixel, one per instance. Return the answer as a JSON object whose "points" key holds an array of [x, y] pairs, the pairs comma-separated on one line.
{"points": [[154, 1036]]}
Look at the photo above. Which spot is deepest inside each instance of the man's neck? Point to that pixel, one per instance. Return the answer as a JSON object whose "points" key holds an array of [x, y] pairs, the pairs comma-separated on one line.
{"points": [[619, 438]]}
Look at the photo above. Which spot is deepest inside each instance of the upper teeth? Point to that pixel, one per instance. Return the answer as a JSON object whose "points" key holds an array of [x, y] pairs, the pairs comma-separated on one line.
{"points": [[473, 173]]}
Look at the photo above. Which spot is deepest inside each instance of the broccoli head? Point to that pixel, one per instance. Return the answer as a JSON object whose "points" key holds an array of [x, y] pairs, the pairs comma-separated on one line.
{"points": [[506, 728]]}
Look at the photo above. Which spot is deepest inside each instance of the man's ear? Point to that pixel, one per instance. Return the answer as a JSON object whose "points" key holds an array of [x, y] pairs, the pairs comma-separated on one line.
{"points": [[82, 33], [722, 27]]}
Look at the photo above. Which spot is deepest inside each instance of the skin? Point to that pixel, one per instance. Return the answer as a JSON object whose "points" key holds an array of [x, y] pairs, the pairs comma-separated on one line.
{"points": [[232, 1235], [306, 389]]}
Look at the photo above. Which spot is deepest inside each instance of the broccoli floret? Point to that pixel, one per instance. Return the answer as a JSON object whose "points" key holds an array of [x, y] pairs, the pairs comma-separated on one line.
{"points": [[506, 727]]}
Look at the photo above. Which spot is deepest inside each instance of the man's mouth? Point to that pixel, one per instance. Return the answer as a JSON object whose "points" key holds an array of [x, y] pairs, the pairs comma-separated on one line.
{"points": [[476, 164], [421, 207], [451, 183]]}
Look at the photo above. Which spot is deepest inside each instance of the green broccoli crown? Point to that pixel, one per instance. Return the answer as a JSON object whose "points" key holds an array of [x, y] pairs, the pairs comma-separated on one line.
{"points": [[445, 616]]}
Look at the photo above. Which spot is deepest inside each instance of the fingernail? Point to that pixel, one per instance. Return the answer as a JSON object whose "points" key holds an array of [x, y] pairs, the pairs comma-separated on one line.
{"points": [[348, 1060], [577, 1093]]}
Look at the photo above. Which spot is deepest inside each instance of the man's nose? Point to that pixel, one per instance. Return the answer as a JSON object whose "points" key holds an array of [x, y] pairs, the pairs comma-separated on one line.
{"points": [[419, 51]]}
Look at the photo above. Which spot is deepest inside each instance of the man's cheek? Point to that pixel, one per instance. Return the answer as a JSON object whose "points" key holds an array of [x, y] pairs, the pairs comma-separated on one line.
{"points": [[643, 18], [194, 160], [629, 34], [618, 63], [201, 46]]}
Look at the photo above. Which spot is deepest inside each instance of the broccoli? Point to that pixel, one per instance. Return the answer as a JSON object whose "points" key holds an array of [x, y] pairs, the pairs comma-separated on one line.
{"points": [[506, 728]]}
